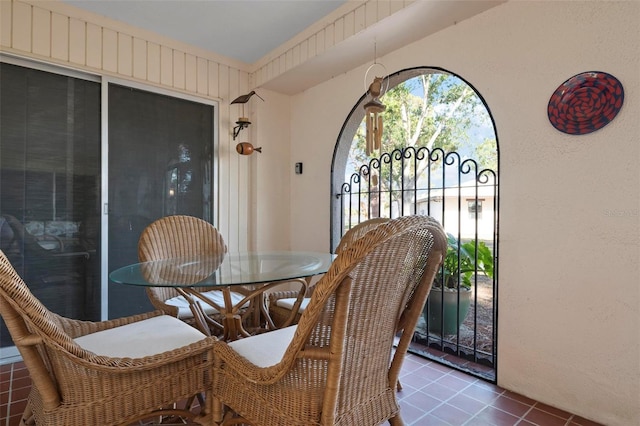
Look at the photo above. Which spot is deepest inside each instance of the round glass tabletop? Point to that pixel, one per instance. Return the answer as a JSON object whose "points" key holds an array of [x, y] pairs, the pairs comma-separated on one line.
{"points": [[226, 270]]}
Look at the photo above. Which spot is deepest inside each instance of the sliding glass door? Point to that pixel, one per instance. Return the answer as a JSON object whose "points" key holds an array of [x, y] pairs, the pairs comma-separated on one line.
{"points": [[160, 164], [50, 187], [59, 230]]}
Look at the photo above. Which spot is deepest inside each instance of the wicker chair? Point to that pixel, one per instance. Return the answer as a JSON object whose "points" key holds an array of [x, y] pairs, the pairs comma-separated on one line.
{"points": [[282, 304], [337, 366], [183, 236], [104, 373]]}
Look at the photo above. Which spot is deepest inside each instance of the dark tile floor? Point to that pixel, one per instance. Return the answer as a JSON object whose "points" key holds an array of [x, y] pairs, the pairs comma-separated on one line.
{"points": [[435, 395], [432, 395]]}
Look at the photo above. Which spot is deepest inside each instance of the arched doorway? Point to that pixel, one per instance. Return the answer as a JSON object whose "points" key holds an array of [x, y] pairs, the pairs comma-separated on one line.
{"points": [[438, 156]]}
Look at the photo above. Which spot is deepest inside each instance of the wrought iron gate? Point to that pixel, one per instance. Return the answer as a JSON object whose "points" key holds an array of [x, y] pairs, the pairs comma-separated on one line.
{"points": [[464, 199]]}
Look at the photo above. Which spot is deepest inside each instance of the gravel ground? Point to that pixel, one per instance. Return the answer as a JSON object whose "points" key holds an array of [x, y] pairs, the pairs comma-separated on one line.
{"points": [[483, 321]]}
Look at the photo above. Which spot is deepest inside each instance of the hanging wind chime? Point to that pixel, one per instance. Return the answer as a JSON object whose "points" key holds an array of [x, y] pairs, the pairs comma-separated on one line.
{"points": [[374, 109]]}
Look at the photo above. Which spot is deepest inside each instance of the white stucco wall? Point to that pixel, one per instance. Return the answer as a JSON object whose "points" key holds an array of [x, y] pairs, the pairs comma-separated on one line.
{"points": [[273, 172], [570, 205]]}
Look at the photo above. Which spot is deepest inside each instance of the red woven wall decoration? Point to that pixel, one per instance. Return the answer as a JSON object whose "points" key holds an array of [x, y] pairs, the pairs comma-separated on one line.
{"points": [[585, 103]]}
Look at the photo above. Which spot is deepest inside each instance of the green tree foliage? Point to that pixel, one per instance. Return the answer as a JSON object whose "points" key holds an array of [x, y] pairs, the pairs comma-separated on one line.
{"points": [[487, 154], [432, 110]]}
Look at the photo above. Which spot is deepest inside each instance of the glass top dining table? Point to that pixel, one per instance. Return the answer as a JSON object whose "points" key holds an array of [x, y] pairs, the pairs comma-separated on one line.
{"points": [[255, 271]]}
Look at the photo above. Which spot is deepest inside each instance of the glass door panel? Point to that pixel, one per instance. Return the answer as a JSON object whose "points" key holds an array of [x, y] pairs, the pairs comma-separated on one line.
{"points": [[49, 188], [160, 164]]}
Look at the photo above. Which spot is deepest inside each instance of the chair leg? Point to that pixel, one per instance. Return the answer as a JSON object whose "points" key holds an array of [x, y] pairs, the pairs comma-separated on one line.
{"points": [[217, 409], [396, 420], [27, 417]]}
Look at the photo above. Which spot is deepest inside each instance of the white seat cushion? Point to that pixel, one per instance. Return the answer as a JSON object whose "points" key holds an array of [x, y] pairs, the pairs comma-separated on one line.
{"points": [[184, 311], [288, 303], [143, 338], [266, 349]]}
